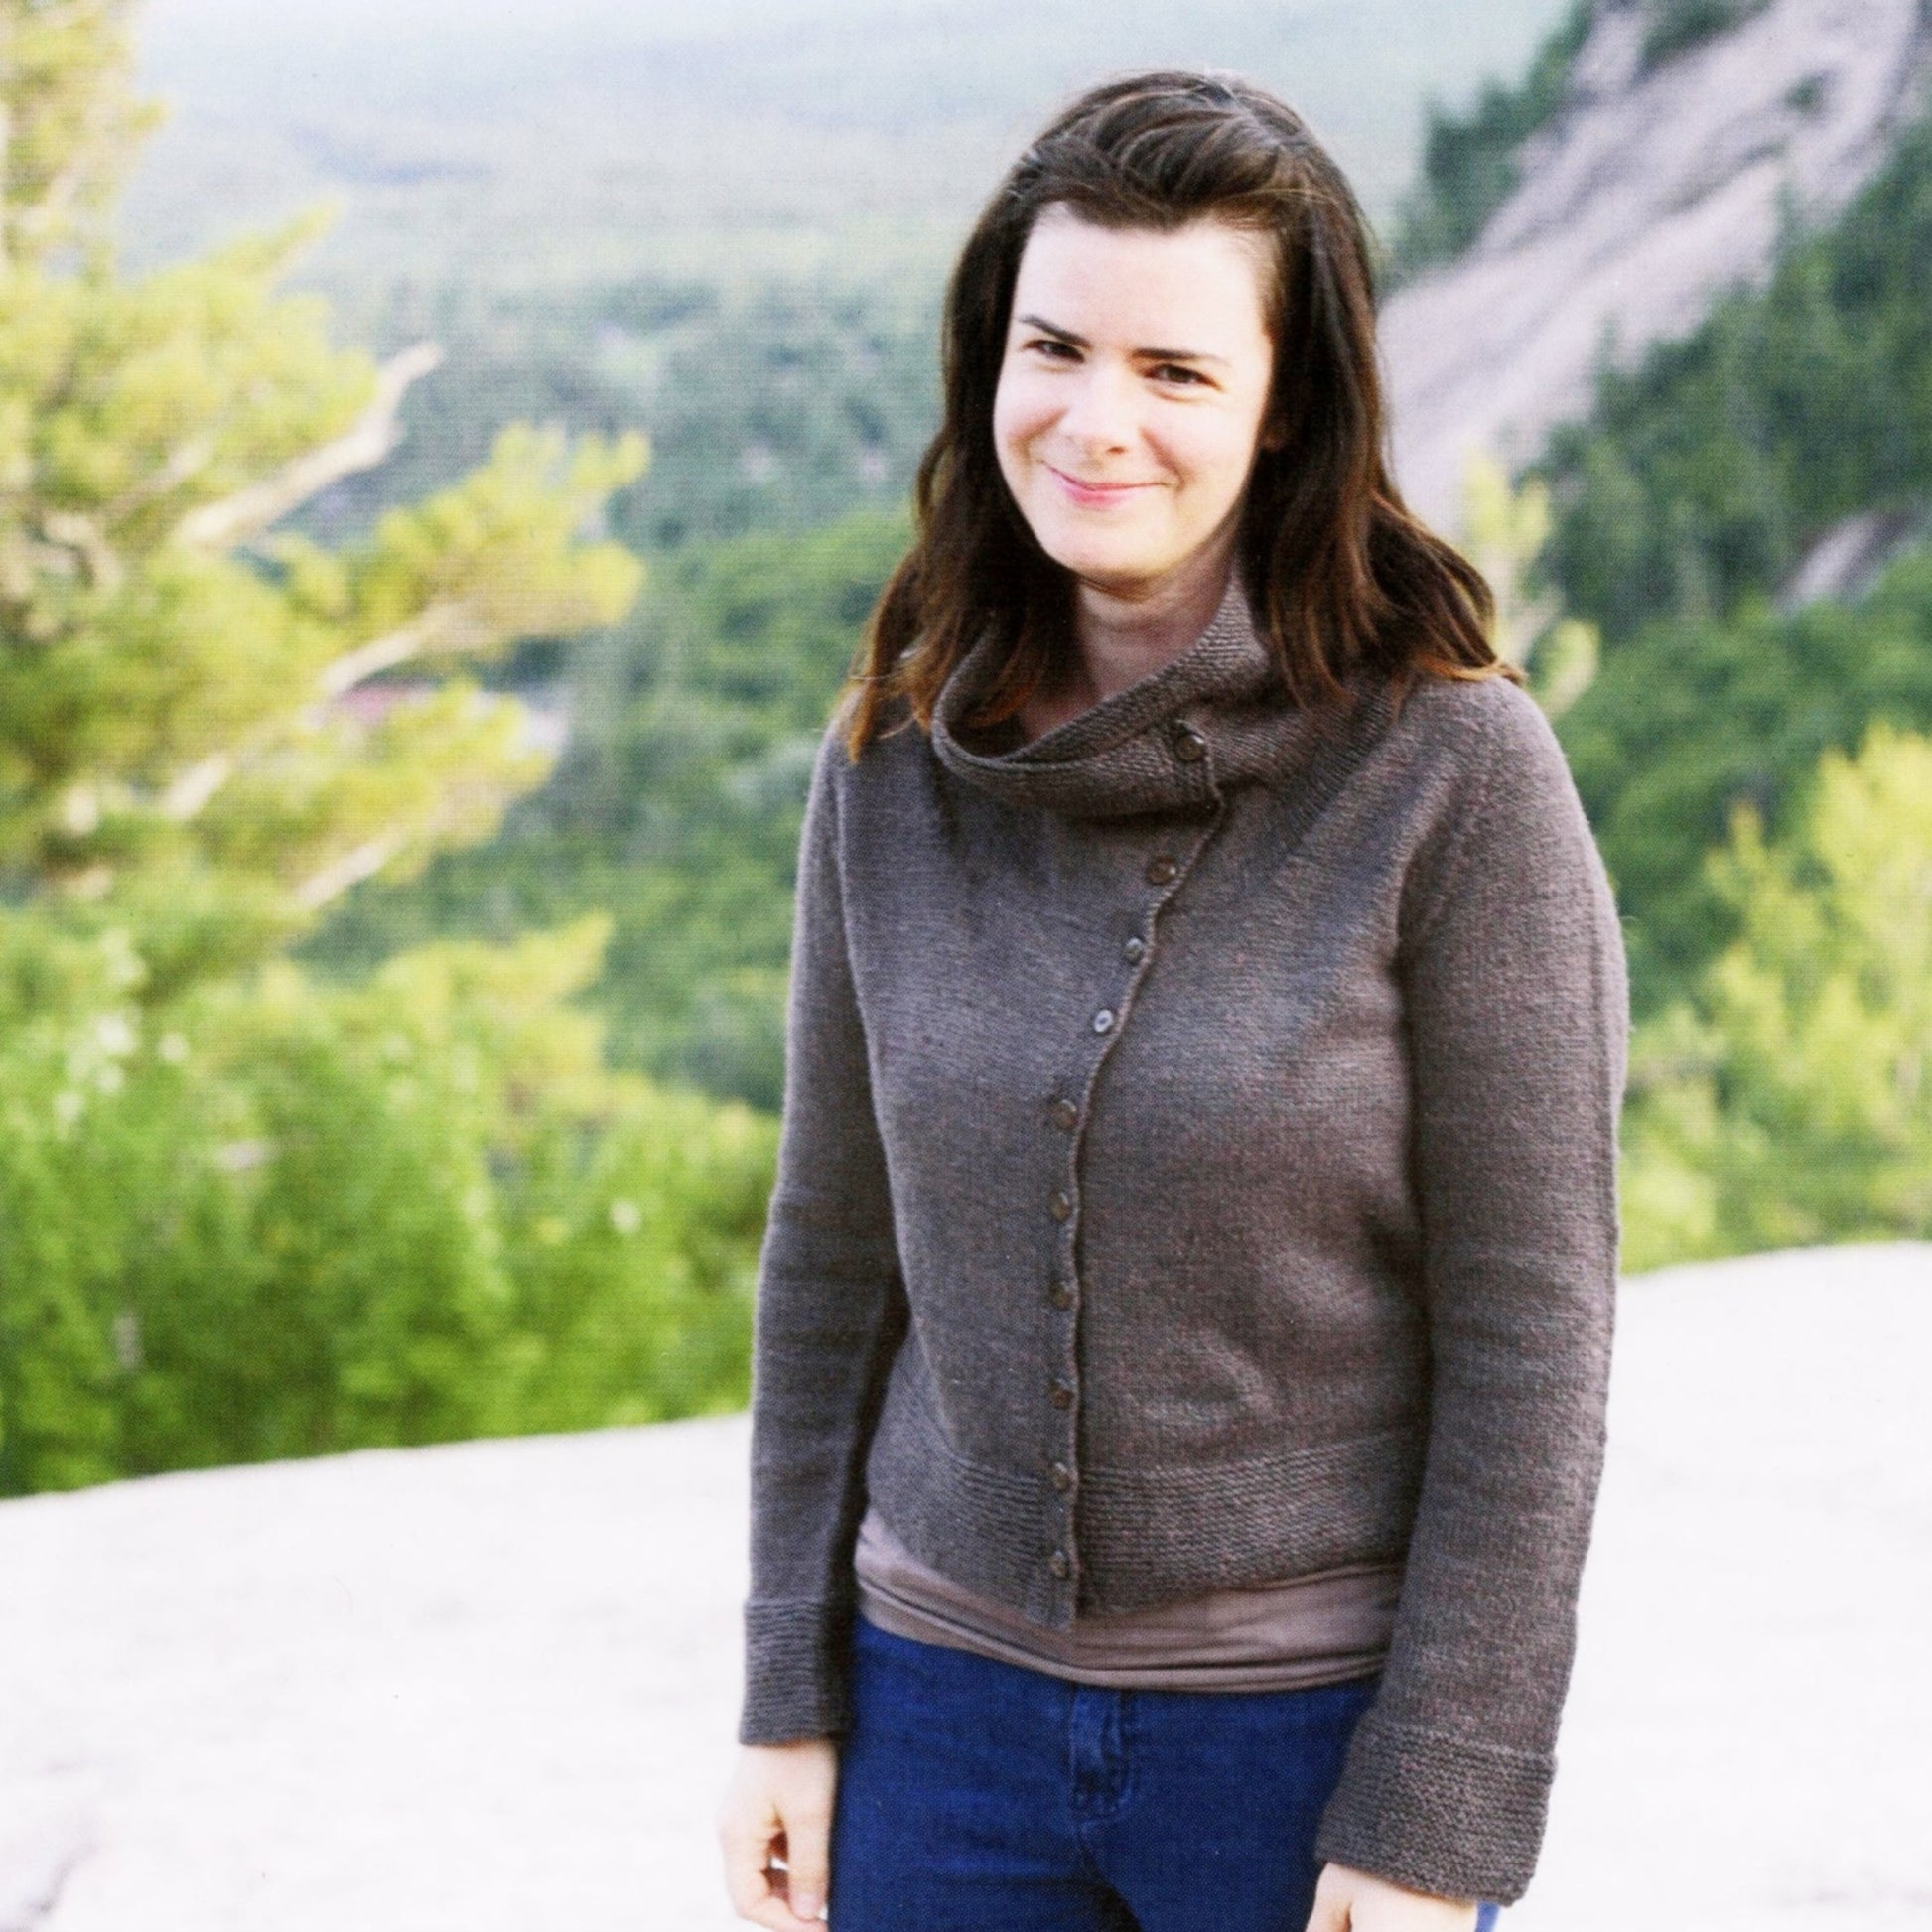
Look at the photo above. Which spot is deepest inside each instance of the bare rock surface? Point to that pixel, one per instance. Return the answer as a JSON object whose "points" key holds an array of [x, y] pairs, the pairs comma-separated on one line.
{"points": [[1649, 195], [490, 1688]]}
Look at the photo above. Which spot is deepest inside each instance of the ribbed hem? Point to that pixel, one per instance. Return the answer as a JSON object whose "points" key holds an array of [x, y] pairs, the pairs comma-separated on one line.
{"points": [[794, 1671], [1455, 1818]]}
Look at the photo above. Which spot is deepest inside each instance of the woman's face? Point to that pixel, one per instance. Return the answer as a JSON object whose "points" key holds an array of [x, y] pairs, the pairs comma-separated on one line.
{"points": [[1132, 393]]}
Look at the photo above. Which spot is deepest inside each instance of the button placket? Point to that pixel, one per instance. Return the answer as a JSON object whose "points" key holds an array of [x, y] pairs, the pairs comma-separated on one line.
{"points": [[1166, 870]]}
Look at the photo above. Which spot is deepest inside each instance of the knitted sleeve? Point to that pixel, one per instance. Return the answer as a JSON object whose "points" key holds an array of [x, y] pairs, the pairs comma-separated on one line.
{"points": [[830, 1315], [1514, 981]]}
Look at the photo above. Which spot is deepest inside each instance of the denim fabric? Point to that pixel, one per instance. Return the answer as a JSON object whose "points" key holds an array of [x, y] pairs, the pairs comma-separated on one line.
{"points": [[975, 1796]]}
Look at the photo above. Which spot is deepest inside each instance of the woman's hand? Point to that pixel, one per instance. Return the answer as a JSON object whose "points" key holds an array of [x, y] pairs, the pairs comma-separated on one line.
{"points": [[1357, 1901], [779, 1807]]}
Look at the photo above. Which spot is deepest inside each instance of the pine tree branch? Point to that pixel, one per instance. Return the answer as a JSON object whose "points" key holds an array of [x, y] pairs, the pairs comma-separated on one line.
{"points": [[181, 463], [81, 534], [335, 879], [449, 626], [190, 791], [235, 519]]}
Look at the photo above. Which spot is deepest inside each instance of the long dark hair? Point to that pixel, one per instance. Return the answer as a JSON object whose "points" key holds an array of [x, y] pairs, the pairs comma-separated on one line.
{"points": [[1343, 575]]}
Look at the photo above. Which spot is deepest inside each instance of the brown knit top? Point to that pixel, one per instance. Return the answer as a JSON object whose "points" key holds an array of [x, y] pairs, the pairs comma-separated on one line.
{"points": [[1197, 1172]]}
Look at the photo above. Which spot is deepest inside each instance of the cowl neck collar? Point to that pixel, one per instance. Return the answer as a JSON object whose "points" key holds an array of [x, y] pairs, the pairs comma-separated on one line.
{"points": [[1216, 717]]}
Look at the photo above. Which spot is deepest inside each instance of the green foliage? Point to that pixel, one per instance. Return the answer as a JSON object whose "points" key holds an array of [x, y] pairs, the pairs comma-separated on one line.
{"points": [[242, 1216], [1471, 161], [1704, 476], [1789, 1100], [175, 757], [678, 807], [1684, 502], [71, 120], [1692, 719], [783, 407], [285, 1220], [1677, 26]]}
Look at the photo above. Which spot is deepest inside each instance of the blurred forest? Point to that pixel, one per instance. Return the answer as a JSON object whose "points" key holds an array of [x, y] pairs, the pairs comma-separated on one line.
{"points": [[399, 809]]}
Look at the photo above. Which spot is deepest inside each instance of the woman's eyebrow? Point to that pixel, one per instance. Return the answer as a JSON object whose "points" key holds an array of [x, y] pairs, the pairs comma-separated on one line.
{"points": [[1146, 354], [1051, 328]]}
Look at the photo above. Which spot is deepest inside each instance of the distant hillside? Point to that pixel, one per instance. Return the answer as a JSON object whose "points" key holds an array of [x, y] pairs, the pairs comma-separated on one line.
{"points": [[611, 139]]}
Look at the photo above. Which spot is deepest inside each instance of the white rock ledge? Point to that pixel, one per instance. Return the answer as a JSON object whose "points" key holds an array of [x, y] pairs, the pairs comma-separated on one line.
{"points": [[490, 1688]]}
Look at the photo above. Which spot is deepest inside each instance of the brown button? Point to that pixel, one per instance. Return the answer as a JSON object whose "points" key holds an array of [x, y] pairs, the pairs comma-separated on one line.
{"points": [[1062, 1478], [1162, 869], [1103, 1021], [1134, 950], [1061, 1564], [1062, 1396], [1060, 1206], [1062, 1294], [1190, 747], [1065, 1114]]}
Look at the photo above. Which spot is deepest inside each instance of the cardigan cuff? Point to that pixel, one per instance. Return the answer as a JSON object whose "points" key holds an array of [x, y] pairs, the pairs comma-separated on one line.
{"points": [[1455, 1818], [794, 1671]]}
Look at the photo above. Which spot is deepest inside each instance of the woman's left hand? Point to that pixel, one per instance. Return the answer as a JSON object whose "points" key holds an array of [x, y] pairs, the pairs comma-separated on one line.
{"points": [[1358, 1901]]}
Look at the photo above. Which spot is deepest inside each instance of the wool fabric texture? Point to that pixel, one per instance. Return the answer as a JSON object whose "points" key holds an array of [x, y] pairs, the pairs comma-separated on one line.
{"points": [[1199, 1170]]}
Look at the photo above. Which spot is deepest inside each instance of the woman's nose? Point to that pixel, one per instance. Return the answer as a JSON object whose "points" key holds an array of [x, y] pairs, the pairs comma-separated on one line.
{"points": [[1100, 415]]}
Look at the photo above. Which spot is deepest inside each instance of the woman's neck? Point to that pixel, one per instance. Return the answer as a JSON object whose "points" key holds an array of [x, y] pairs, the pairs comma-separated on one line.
{"points": [[1125, 634]]}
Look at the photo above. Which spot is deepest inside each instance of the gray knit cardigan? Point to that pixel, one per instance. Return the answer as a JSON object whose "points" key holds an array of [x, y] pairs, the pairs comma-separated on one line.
{"points": [[1199, 1170]]}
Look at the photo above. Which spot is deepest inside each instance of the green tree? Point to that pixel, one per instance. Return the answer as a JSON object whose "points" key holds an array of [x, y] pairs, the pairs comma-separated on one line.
{"points": [[1704, 476], [242, 1215], [1789, 1100], [1675, 26], [1471, 161], [183, 752], [678, 806], [1693, 718], [282, 1219]]}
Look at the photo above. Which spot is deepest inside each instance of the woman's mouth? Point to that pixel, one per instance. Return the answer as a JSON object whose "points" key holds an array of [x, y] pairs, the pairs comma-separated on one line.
{"points": [[1091, 494]]}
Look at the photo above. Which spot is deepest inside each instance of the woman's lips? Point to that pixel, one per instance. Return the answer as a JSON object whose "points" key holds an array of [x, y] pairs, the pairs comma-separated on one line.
{"points": [[1094, 495]]}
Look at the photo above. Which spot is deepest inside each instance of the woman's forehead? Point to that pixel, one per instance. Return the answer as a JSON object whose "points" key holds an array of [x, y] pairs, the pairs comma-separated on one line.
{"points": [[1200, 287]]}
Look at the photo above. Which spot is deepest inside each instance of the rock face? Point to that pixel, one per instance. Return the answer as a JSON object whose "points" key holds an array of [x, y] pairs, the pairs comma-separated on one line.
{"points": [[1647, 197], [491, 1688]]}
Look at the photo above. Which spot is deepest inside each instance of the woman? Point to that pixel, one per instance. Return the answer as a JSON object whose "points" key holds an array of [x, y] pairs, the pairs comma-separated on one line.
{"points": [[1184, 1320]]}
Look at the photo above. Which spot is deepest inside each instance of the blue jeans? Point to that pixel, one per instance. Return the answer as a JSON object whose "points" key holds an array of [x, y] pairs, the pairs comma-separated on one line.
{"points": [[975, 1796]]}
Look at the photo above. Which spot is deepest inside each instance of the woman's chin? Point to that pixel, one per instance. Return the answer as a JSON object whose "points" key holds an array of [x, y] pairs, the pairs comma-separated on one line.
{"points": [[1121, 570]]}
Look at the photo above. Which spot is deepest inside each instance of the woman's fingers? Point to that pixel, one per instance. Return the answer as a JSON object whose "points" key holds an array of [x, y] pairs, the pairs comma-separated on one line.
{"points": [[757, 1893], [808, 1853], [747, 1847], [1357, 1901], [774, 1829]]}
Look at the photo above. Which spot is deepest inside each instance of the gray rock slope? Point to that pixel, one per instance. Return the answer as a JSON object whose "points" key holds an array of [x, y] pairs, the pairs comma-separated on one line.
{"points": [[1648, 195], [490, 1688]]}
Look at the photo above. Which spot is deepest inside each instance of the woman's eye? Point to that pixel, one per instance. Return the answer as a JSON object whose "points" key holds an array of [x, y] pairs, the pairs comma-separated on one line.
{"points": [[1175, 372], [1058, 352]]}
